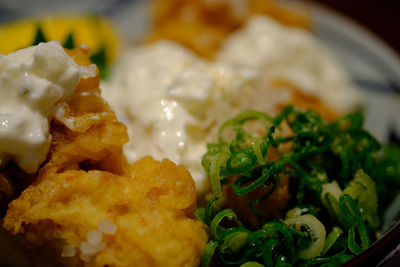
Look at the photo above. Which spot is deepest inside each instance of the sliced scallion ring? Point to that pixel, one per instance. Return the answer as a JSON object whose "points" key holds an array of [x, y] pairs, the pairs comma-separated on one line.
{"points": [[317, 233]]}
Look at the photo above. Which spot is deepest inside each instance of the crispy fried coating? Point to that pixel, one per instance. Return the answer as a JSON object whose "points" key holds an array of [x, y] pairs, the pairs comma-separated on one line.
{"points": [[86, 182], [152, 209], [94, 135], [203, 25], [305, 101]]}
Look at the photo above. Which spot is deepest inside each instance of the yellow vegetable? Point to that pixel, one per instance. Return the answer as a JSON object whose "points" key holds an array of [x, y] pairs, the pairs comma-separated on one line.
{"points": [[90, 30]]}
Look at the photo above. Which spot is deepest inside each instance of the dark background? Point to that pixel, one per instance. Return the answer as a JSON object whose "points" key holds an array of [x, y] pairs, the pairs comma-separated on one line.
{"points": [[380, 16]]}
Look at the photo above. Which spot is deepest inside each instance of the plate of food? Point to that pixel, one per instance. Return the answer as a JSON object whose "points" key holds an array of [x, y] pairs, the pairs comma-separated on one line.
{"points": [[196, 133]]}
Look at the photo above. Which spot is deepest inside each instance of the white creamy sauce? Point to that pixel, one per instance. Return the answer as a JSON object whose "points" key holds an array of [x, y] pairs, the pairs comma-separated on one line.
{"points": [[294, 55], [239, 7], [32, 82], [170, 98], [173, 102]]}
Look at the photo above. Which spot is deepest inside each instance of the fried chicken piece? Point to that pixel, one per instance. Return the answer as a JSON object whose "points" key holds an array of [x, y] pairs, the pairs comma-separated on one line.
{"points": [[305, 101], [203, 25], [272, 207], [94, 134], [151, 209], [88, 206]]}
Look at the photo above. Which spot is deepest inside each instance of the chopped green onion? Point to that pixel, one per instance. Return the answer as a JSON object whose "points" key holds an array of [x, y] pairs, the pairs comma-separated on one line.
{"points": [[215, 183], [332, 188], [331, 239], [362, 188], [215, 227], [317, 233], [208, 254], [234, 242], [270, 248], [354, 218], [295, 212], [200, 214], [252, 264], [241, 161], [320, 159], [258, 151]]}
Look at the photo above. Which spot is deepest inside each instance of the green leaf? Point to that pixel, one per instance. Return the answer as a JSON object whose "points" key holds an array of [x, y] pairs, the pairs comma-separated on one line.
{"points": [[39, 36], [100, 59], [69, 41]]}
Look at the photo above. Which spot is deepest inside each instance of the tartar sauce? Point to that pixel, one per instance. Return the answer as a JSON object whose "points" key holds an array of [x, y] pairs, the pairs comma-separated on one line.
{"points": [[171, 100], [293, 55], [32, 82]]}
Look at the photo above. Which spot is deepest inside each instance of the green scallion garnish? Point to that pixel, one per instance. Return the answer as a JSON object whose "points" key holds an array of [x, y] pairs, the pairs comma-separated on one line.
{"points": [[330, 168]]}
